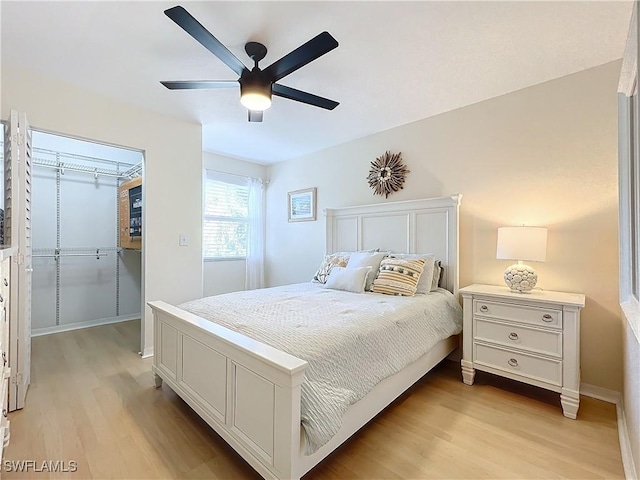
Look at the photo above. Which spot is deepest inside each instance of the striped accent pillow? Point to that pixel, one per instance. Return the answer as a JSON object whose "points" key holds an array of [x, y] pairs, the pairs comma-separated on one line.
{"points": [[398, 276]]}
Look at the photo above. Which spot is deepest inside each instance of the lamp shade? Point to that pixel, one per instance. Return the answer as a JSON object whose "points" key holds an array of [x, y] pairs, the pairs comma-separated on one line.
{"points": [[255, 101], [522, 243], [255, 93]]}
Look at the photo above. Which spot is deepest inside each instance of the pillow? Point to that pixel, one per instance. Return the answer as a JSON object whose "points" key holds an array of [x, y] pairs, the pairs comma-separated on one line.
{"points": [[367, 259], [398, 276], [348, 279], [426, 279], [437, 275], [339, 259]]}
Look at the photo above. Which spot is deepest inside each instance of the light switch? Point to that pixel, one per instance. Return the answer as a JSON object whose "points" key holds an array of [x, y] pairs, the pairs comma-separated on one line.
{"points": [[184, 240]]}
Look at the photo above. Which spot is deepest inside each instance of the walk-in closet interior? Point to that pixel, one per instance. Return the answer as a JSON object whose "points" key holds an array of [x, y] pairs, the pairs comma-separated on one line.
{"points": [[83, 275]]}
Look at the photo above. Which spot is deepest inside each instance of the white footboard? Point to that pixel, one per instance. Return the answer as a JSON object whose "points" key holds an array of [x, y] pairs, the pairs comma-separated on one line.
{"points": [[247, 391]]}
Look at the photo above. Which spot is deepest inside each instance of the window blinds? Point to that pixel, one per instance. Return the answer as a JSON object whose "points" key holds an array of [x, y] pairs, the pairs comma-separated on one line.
{"points": [[226, 216]]}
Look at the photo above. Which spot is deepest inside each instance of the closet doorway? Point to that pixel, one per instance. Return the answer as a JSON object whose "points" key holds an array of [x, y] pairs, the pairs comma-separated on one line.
{"points": [[63, 197], [81, 276]]}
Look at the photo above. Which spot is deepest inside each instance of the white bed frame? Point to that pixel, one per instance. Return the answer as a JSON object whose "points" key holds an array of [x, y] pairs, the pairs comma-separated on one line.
{"points": [[249, 392]]}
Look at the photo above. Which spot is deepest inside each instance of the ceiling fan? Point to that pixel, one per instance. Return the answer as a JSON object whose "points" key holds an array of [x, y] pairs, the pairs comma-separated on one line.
{"points": [[256, 85]]}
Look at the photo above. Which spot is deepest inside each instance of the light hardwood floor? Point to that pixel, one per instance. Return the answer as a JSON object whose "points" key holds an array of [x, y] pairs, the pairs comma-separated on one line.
{"points": [[92, 400]]}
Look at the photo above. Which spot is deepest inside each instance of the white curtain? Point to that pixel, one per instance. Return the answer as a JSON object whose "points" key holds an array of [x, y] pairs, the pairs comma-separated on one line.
{"points": [[255, 240]]}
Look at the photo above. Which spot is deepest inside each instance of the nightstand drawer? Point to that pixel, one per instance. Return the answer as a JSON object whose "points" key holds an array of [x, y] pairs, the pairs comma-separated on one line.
{"points": [[521, 337], [538, 368], [547, 317]]}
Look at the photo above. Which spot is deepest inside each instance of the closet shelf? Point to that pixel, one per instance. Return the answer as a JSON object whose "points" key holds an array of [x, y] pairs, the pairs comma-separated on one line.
{"points": [[62, 166], [82, 158], [133, 172]]}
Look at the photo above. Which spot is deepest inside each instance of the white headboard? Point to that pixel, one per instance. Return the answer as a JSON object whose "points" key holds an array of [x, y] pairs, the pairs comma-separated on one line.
{"points": [[429, 225]]}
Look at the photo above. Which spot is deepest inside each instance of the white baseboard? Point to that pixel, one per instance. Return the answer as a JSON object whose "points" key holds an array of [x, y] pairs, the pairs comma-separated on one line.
{"points": [[604, 394], [625, 444], [614, 397], [148, 352], [36, 332]]}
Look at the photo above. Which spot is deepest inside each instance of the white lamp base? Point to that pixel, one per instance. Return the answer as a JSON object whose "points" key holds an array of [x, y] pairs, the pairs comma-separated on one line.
{"points": [[520, 278]]}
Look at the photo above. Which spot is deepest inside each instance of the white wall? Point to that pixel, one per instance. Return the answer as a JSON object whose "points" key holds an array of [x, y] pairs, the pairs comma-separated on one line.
{"points": [[223, 276], [221, 163], [545, 155], [173, 173]]}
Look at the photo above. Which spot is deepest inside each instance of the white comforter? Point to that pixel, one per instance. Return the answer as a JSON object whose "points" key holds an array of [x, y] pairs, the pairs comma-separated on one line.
{"points": [[351, 341]]}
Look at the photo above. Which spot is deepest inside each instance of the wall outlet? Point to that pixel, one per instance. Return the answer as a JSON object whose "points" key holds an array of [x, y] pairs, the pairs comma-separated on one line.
{"points": [[184, 240]]}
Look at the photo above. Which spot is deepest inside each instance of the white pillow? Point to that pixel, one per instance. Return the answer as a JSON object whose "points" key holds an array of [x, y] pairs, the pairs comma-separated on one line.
{"points": [[365, 259], [427, 277], [348, 279], [331, 260]]}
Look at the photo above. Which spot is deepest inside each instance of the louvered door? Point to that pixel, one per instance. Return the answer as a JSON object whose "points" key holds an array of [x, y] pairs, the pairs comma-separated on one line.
{"points": [[17, 232], [25, 266]]}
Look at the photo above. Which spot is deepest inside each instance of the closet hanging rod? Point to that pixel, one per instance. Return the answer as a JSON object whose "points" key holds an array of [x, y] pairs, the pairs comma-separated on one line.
{"points": [[62, 250], [97, 255], [80, 252]]}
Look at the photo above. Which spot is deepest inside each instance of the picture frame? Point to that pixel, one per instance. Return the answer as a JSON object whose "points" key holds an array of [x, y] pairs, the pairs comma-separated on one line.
{"points": [[302, 205]]}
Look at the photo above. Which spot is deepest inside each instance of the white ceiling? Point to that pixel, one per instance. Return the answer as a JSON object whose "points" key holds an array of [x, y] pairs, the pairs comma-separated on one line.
{"points": [[397, 62]]}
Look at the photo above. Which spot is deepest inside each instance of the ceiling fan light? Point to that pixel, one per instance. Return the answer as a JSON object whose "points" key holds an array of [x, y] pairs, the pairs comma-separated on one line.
{"points": [[255, 92], [256, 101]]}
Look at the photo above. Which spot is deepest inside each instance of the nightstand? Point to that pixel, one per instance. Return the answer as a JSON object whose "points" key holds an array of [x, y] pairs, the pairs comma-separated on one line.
{"points": [[533, 338]]}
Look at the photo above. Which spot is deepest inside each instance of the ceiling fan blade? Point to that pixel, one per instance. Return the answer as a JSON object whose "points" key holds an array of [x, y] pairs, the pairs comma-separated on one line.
{"points": [[198, 84], [306, 53], [255, 116], [304, 97], [196, 30]]}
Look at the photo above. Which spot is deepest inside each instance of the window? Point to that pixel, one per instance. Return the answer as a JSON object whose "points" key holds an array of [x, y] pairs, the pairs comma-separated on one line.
{"points": [[226, 216], [629, 191], [633, 187], [629, 180]]}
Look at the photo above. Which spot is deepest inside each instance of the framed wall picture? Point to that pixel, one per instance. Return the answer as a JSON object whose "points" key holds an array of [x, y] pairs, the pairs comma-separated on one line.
{"points": [[302, 205]]}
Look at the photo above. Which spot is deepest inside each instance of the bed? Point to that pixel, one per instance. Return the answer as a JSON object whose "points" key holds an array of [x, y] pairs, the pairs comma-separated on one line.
{"points": [[251, 392]]}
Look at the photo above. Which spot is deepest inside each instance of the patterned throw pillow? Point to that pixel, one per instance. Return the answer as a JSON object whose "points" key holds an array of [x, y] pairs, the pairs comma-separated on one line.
{"points": [[398, 276], [338, 259]]}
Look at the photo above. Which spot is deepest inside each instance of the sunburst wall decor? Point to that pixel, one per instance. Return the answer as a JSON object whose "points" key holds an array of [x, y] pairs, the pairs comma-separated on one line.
{"points": [[387, 174]]}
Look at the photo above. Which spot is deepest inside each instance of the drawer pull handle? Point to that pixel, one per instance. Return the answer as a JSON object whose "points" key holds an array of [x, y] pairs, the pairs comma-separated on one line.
{"points": [[4, 412], [547, 318], [1, 298], [513, 362], [513, 336], [6, 283], [4, 358], [484, 308]]}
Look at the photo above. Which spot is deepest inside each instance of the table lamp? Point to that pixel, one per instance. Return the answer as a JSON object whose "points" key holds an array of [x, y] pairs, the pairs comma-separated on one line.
{"points": [[521, 243]]}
